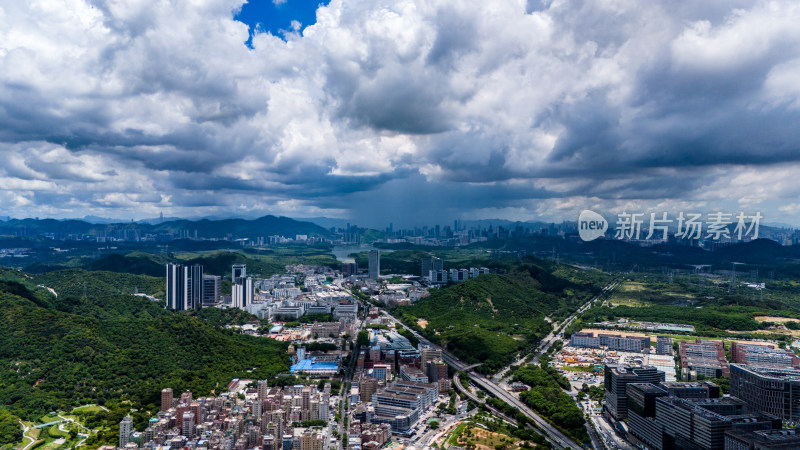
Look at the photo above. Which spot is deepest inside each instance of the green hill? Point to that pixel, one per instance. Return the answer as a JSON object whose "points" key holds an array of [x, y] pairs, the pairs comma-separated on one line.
{"points": [[71, 350], [491, 317], [243, 228], [101, 284], [134, 263]]}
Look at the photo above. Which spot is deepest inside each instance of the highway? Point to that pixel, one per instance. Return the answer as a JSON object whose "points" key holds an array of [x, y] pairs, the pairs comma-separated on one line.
{"points": [[556, 437]]}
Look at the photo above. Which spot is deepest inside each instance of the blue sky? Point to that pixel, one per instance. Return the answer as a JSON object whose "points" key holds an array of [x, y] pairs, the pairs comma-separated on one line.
{"points": [[403, 111], [276, 16]]}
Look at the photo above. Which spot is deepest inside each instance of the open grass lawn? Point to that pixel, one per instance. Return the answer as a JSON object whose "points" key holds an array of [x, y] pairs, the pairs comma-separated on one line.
{"points": [[486, 440]]}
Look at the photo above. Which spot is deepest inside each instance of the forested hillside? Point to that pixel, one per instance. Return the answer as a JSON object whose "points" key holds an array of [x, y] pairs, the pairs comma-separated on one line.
{"points": [[56, 353], [491, 317]]}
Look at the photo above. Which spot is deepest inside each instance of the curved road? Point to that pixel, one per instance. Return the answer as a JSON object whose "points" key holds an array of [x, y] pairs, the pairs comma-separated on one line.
{"points": [[556, 436]]}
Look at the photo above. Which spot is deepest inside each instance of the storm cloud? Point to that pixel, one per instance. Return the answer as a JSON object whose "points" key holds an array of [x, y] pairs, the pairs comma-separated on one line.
{"points": [[404, 111]]}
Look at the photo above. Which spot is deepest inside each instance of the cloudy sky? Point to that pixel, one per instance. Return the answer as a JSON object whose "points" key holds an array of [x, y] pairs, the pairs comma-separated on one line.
{"points": [[404, 111]]}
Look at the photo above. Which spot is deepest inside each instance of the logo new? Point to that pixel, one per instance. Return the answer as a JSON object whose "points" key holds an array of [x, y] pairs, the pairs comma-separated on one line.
{"points": [[591, 225]]}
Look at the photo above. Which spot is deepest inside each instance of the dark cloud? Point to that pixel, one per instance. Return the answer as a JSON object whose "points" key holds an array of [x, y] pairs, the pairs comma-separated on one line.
{"points": [[400, 111]]}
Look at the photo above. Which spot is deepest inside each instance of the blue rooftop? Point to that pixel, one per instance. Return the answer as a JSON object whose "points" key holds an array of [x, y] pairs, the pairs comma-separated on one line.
{"points": [[312, 365]]}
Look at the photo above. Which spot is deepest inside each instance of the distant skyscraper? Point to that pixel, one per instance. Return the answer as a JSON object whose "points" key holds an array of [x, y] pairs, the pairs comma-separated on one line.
{"points": [[166, 399], [211, 289], [429, 264], [125, 429], [238, 271], [374, 264]]}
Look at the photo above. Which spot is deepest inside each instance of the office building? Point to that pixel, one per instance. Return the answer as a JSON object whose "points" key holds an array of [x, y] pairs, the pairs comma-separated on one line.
{"points": [[763, 356], [428, 354], [349, 268], [433, 263], [242, 292], [783, 439], [664, 345], [184, 289], [616, 380], [770, 390], [238, 271], [125, 430], [691, 389], [705, 358], [702, 423], [196, 286], [437, 276], [374, 264], [612, 341], [437, 370], [211, 289], [411, 373], [661, 420], [367, 388], [177, 286]]}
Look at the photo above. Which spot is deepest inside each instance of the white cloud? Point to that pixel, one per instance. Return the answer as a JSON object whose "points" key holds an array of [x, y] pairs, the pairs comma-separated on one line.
{"points": [[111, 104]]}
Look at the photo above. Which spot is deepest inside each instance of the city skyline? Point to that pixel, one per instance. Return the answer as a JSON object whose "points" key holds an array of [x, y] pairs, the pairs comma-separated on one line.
{"points": [[406, 112]]}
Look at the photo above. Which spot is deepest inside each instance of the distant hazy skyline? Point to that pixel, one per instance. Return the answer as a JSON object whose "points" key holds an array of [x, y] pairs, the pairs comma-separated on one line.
{"points": [[408, 112]]}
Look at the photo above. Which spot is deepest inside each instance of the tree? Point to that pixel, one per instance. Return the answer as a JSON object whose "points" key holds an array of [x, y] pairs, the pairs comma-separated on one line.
{"points": [[363, 338]]}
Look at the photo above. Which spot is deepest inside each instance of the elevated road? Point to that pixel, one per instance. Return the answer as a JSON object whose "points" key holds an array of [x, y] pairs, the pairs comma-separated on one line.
{"points": [[558, 438], [555, 436]]}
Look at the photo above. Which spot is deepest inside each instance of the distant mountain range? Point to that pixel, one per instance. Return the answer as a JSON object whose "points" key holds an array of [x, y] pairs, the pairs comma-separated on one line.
{"points": [[205, 228]]}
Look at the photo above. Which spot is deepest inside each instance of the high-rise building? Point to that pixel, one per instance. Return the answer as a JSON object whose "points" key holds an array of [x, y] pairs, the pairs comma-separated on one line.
{"points": [[242, 292], [166, 399], [125, 430], [177, 286], [768, 389], [196, 286], [688, 415], [187, 424], [429, 264], [184, 288], [428, 354], [263, 390], [616, 380], [437, 370], [211, 289], [238, 271], [366, 388], [374, 264], [349, 268]]}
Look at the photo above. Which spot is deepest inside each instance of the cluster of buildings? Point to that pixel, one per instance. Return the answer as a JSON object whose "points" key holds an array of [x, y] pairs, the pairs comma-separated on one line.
{"points": [[277, 297], [271, 418], [692, 415], [589, 339], [455, 275], [373, 266], [649, 326], [433, 271], [764, 394], [761, 355], [703, 357]]}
